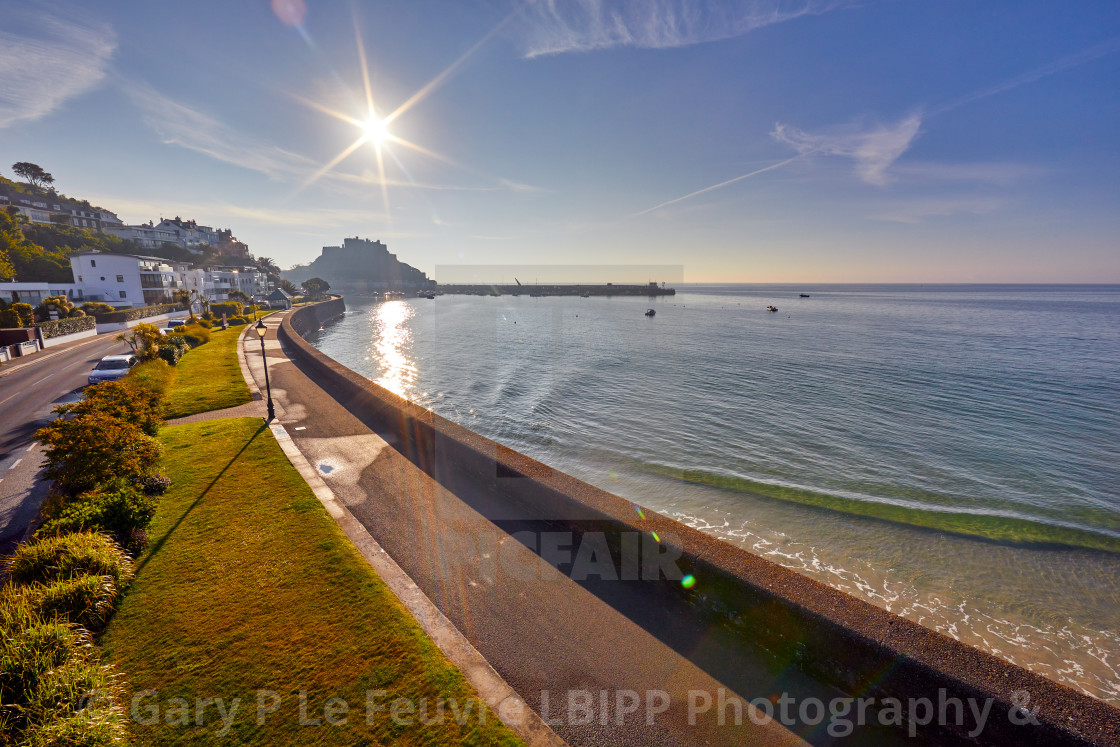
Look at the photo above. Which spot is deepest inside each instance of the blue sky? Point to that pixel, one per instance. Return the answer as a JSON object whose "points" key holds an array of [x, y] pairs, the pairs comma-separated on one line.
{"points": [[754, 141]]}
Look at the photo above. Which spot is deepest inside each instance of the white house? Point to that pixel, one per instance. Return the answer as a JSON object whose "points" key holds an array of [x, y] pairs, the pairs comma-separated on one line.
{"points": [[126, 280], [215, 283], [34, 293]]}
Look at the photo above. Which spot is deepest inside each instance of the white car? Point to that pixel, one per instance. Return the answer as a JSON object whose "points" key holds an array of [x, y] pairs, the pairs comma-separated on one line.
{"points": [[112, 368]]}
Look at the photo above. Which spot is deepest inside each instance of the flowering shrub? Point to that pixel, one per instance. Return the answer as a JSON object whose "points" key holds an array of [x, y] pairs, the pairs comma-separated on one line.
{"points": [[153, 484]]}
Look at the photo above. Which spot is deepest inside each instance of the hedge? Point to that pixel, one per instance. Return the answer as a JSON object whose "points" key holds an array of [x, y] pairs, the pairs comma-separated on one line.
{"points": [[143, 312], [68, 326]]}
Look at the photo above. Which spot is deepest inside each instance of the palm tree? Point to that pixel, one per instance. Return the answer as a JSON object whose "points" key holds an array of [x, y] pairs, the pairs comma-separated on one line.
{"points": [[189, 298]]}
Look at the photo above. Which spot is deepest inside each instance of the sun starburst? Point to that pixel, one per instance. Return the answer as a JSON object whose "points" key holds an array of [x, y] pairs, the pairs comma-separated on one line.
{"points": [[374, 129]]}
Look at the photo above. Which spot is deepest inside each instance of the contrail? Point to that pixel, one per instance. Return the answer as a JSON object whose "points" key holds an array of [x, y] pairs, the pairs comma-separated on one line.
{"points": [[771, 167], [1080, 58]]}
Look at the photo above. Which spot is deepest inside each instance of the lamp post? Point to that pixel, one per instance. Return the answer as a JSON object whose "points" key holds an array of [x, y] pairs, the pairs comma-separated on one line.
{"points": [[260, 330]]}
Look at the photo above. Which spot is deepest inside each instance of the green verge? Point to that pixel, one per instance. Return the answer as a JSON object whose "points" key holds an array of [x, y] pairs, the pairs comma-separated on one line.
{"points": [[248, 585], [984, 526], [209, 377]]}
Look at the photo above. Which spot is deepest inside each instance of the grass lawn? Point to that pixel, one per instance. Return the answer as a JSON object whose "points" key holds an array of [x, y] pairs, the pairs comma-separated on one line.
{"points": [[208, 377], [248, 585]]}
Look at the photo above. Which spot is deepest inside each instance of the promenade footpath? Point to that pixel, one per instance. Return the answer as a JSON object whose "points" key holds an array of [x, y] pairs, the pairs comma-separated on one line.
{"points": [[593, 661]]}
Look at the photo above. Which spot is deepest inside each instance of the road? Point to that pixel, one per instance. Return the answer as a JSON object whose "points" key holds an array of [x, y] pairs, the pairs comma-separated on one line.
{"points": [[28, 391]]}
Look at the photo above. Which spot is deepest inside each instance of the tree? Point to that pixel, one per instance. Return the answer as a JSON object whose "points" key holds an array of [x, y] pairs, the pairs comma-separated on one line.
{"points": [[316, 286], [33, 174], [144, 340], [188, 298], [7, 269], [268, 266], [238, 295]]}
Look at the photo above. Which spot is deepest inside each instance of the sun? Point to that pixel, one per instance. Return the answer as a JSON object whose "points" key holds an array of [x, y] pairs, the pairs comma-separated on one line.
{"points": [[375, 131]]}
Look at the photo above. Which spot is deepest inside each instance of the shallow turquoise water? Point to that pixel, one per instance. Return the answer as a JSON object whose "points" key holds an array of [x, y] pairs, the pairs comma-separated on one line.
{"points": [[994, 408]]}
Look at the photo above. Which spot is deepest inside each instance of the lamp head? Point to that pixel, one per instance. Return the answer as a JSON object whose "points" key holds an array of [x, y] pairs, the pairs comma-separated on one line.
{"points": [[260, 329]]}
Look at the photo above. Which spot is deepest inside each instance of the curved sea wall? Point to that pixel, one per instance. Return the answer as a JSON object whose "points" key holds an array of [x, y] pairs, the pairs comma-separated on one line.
{"points": [[837, 639]]}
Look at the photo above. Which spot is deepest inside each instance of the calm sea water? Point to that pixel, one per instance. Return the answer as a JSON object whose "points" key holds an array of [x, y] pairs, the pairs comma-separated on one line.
{"points": [[950, 453]]}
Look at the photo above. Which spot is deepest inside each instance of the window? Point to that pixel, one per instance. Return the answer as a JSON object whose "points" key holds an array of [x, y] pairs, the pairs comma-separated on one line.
{"points": [[120, 278], [80, 279], [102, 277], [93, 263], [124, 295]]}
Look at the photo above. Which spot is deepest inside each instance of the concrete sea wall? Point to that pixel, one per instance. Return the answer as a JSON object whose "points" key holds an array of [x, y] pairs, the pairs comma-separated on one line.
{"points": [[837, 639]]}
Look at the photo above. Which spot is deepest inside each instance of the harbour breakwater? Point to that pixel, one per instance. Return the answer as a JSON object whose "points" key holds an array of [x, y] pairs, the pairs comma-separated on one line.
{"points": [[610, 289], [860, 649]]}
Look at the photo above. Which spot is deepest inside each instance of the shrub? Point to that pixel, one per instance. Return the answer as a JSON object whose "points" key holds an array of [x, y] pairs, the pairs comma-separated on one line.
{"points": [[124, 400], [60, 305], [48, 673], [92, 449], [118, 509], [136, 541], [96, 308], [153, 484], [143, 312], [69, 556], [227, 308], [17, 315], [87, 600], [205, 323], [173, 347], [155, 375], [194, 334]]}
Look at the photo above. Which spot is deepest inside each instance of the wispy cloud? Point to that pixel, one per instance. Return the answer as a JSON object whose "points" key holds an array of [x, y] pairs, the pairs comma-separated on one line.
{"points": [[558, 26], [998, 173], [227, 214], [46, 59], [917, 211], [873, 150], [181, 125]]}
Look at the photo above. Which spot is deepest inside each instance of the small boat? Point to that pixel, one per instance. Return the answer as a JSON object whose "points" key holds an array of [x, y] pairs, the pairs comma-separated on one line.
{"points": [[650, 312], [430, 295], [804, 295], [772, 308], [586, 294]]}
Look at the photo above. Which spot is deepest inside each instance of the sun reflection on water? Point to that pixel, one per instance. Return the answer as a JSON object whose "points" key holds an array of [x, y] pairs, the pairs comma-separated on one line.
{"points": [[392, 340]]}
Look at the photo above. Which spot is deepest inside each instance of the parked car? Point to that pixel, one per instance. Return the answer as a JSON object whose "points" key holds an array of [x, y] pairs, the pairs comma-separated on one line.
{"points": [[166, 330], [173, 323], [111, 368]]}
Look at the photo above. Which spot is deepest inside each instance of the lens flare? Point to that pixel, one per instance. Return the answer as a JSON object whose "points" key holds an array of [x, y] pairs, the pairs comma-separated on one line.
{"points": [[688, 581]]}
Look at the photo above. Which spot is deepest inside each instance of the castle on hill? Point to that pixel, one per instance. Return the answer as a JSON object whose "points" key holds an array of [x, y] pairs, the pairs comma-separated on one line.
{"points": [[361, 265]]}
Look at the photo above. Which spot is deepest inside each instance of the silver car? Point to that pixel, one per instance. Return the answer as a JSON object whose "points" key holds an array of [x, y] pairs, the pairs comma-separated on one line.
{"points": [[112, 368]]}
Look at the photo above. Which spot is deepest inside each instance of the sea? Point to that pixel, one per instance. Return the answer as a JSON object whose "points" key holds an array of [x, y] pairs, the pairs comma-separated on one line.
{"points": [[950, 453]]}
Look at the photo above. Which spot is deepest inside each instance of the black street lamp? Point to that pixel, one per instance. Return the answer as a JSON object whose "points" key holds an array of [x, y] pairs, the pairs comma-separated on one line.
{"points": [[261, 329]]}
